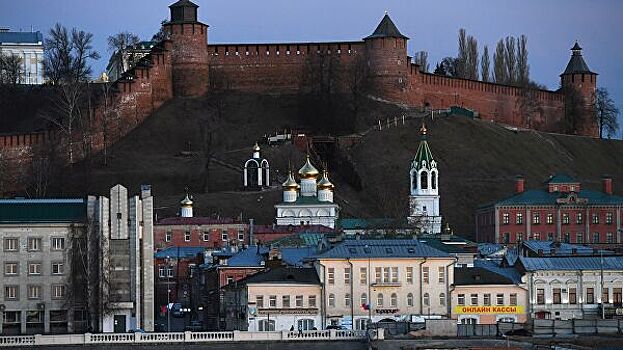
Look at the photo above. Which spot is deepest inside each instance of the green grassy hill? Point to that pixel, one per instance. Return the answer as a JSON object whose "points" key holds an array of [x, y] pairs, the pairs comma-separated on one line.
{"points": [[478, 160]]}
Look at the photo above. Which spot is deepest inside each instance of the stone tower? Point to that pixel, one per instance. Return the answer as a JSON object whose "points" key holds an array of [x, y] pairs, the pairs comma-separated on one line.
{"points": [[189, 51], [424, 193], [386, 53], [579, 76]]}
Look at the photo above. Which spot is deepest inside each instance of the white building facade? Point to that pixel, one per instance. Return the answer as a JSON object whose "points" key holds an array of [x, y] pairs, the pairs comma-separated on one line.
{"points": [[310, 202], [28, 46], [424, 210]]}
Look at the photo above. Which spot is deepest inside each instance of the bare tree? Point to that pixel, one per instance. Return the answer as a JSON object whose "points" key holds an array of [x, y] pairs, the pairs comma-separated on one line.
{"points": [[523, 68], [485, 65], [118, 44], [510, 58], [110, 119], [500, 75], [462, 57], [472, 58], [356, 82], [10, 69], [421, 59], [66, 56], [606, 113], [448, 67]]}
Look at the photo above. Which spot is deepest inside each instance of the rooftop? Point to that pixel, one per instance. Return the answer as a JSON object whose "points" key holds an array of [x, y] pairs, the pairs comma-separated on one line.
{"points": [[196, 221], [478, 275], [42, 211], [386, 29], [286, 275], [21, 37], [179, 252], [543, 197], [307, 200], [560, 248], [382, 248], [355, 223], [572, 263], [576, 64], [561, 179]]}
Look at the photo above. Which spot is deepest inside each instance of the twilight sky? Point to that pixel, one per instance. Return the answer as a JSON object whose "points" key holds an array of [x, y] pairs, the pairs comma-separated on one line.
{"points": [[551, 26]]}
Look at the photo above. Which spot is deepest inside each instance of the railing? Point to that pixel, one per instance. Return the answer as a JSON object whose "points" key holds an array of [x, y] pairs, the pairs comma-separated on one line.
{"points": [[185, 337]]}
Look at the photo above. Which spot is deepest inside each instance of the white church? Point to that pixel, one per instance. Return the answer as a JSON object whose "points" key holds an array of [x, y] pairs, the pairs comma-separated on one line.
{"points": [[310, 202], [256, 174], [424, 194]]}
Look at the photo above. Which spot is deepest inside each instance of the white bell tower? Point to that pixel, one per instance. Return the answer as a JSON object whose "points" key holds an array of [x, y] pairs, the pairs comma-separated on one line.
{"points": [[424, 189]]}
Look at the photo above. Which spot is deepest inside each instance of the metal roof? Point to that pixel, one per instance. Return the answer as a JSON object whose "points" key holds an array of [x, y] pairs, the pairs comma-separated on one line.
{"points": [[21, 38], [296, 256], [386, 29], [576, 64], [508, 272], [285, 275], [250, 257], [356, 223], [478, 275], [307, 200], [179, 252], [543, 197], [382, 248], [548, 247], [572, 263], [42, 210], [561, 179], [197, 221]]}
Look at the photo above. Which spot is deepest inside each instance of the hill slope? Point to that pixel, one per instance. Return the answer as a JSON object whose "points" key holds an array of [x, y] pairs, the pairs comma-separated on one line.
{"points": [[478, 160]]}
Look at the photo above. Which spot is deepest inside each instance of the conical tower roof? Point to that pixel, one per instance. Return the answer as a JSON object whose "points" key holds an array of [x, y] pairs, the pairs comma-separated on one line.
{"points": [[386, 29], [576, 64], [423, 151]]}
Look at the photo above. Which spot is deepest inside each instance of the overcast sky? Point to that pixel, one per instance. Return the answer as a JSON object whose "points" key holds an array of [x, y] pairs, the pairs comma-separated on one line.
{"points": [[551, 26]]}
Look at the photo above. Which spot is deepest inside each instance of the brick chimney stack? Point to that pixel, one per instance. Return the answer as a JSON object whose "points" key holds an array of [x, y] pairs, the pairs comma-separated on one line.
{"points": [[607, 184], [520, 184]]}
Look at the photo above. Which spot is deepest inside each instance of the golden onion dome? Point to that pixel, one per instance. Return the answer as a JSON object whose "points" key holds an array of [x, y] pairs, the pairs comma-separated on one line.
{"points": [[256, 147], [324, 183], [308, 171], [290, 184], [186, 202]]}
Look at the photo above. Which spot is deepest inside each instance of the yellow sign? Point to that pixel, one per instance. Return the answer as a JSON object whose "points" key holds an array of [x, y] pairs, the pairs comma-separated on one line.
{"points": [[489, 310]]}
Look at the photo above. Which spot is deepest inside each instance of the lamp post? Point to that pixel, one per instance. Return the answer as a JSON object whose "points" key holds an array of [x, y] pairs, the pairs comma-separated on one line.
{"points": [[168, 296]]}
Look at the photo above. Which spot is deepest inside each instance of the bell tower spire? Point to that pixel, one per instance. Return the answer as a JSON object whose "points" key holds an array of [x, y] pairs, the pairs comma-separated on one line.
{"points": [[424, 188]]}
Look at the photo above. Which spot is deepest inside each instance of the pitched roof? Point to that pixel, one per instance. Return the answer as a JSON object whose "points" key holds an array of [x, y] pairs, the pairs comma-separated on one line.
{"points": [[184, 3], [572, 263], [196, 221], [543, 197], [296, 256], [382, 248], [286, 275], [477, 275], [42, 210], [561, 179], [423, 152], [386, 29], [508, 272], [576, 62], [307, 200], [561, 248], [21, 37], [302, 239], [250, 257], [179, 252]]}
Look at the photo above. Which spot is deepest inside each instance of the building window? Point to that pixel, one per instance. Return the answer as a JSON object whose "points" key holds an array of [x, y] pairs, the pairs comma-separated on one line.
{"points": [[363, 275], [567, 237], [608, 218], [565, 219], [505, 219], [605, 296], [595, 218], [550, 218], [573, 298], [311, 301], [550, 236], [187, 236], [206, 236], [579, 238], [162, 271], [11, 268], [241, 235], [266, 325], [519, 236], [58, 291], [305, 324], [537, 236], [409, 275], [500, 299], [34, 292], [11, 244], [513, 299], [486, 299], [259, 301], [519, 218], [224, 236], [425, 273], [34, 244], [442, 274], [556, 295], [393, 300], [229, 279], [347, 299], [536, 218], [386, 274], [58, 243], [347, 275], [11, 293], [461, 299], [272, 301], [332, 300], [394, 272], [442, 299], [609, 237], [595, 237], [506, 237], [474, 299], [298, 301], [331, 275], [167, 236], [617, 295], [379, 300], [410, 299], [590, 295], [285, 301], [378, 277], [363, 300], [34, 268], [579, 218]]}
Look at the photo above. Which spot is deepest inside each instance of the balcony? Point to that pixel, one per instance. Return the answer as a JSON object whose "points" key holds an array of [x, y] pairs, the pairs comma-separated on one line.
{"points": [[386, 284]]}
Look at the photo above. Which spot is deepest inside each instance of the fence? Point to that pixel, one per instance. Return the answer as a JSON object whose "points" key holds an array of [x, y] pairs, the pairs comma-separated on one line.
{"points": [[488, 330], [550, 328], [185, 337]]}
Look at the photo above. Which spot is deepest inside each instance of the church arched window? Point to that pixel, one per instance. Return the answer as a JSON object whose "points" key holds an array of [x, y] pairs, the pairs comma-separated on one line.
{"points": [[424, 180], [433, 180], [414, 181]]}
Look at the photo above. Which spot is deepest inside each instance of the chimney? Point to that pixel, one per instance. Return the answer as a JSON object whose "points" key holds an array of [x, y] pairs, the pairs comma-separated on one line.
{"points": [[520, 183], [607, 184]]}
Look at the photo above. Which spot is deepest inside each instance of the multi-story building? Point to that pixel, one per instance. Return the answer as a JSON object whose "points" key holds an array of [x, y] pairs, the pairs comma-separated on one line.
{"points": [[279, 299], [563, 211], [40, 292], [371, 280], [482, 296], [311, 202], [125, 59], [568, 287], [187, 230], [28, 46], [174, 268]]}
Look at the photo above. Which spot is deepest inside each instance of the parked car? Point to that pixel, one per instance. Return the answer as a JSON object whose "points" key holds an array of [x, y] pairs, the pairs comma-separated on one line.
{"points": [[176, 310], [137, 330]]}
